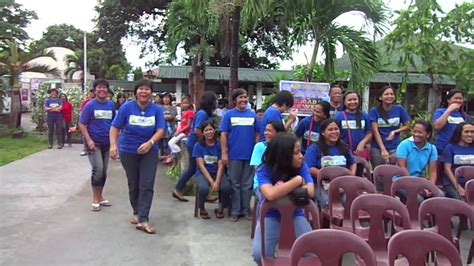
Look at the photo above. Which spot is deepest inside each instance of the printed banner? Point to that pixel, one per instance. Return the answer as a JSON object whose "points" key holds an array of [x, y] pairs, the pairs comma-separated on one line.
{"points": [[306, 94]]}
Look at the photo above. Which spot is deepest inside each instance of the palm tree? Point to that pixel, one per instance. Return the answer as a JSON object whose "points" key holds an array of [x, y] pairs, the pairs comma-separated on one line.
{"points": [[74, 64], [14, 61], [314, 20]]}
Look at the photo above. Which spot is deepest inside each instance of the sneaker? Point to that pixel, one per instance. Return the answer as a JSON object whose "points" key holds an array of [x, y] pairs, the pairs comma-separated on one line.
{"points": [[50, 146], [95, 207], [83, 153]]}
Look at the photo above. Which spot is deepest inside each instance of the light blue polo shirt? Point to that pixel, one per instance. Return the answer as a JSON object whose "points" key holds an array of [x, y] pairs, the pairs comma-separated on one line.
{"points": [[417, 159]]}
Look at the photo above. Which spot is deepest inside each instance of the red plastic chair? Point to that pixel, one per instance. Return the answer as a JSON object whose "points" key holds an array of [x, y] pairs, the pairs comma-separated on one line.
{"points": [[413, 186], [367, 172], [415, 245], [329, 246], [470, 199], [352, 186], [378, 207], [286, 208], [383, 175], [467, 172]]}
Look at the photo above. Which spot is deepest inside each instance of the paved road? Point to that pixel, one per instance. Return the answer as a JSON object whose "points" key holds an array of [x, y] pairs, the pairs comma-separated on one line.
{"points": [[46, 220]]}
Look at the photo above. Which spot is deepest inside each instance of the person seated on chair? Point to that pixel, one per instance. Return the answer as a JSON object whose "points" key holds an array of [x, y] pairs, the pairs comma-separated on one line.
{"points": [[210, 171], [417, 155], [330, 150], [308, 129], [460, 152], [283, 171]]}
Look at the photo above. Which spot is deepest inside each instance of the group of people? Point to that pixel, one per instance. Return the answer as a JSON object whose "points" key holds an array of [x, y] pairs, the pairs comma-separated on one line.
{"points": [[59, 113]]}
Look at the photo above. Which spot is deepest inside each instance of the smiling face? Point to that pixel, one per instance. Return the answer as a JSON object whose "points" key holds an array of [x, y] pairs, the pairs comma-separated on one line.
{"points": [[388, 96], [332, 133], [143, 94], [456, 98], [467, 134], [351, 102], [209, 132], [420, 135], [319, 113], [101, 92], [54, 94], [297, 155], [63, 97], [241, 102], [269, 132], [185, 104]]}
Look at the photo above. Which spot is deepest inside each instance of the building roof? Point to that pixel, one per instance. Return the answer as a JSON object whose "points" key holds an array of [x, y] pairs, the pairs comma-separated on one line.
{"points": [[223, 73]]}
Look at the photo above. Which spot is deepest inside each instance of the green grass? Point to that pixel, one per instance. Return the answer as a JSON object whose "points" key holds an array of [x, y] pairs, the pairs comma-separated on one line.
{"points": [[14, 149]]}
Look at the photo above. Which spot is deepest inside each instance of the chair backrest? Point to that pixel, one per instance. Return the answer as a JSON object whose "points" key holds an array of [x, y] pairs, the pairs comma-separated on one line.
{"points": [[287, 209], [467, 172], [470, 192], [415, 245], [384, 173], [329, 245], [378, 207], [365, 163], [441, 210], [353, 186], [414, 186], [331, 172]]}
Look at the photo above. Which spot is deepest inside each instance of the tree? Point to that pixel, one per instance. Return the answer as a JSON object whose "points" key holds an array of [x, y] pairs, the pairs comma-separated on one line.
{"points": [[315, 21], [14, 19]]}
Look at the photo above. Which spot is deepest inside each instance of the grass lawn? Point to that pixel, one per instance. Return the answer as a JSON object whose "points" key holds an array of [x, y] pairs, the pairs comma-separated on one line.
{"points": [[14, 149]]}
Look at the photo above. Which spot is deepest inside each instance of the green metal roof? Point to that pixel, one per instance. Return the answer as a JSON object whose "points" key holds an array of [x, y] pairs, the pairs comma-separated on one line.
{"points": [[413, 78], [222, 74]]}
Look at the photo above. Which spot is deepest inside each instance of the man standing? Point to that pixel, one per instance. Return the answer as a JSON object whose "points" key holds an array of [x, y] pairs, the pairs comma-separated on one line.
{"points": [[335, 94], [95, 122]]}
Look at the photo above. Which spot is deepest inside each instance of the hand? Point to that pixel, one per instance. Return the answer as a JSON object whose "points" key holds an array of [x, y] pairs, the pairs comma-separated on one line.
{"points": [[144, 148], [360, 149], [300, 180], [91, 145], [392, 135], [215, 186], [225, 159], [293, 114], [113, 152], [454, 107], [427, 193], [461, 191], [385, 156]]}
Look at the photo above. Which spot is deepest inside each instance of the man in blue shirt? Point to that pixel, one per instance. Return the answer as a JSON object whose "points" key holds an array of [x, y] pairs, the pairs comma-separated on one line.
{"points": [[283, 101]]}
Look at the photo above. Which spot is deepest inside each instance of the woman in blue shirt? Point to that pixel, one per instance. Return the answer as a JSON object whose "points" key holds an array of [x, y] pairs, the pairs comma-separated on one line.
{"points": [[53, 107], [210, 171], [283, 171], [330, 150], [308, 129], [141, 125], [207, 106], [459, 152], [388, 121]]}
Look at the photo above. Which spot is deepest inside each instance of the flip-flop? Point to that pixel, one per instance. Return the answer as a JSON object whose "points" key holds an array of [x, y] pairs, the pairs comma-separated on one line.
{"points": [[146, 228], [105, 203], [219, 213], [95, 207], [204, 215], [248, 217], [134, 220], [233, 218]]}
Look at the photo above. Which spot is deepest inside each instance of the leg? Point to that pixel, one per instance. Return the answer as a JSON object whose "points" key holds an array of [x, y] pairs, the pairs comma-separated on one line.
{"points": [[235, 176], [184, 178], [105, 163], [203, 186], [247, 185], [272, 235], [173, 143], [50, 123], [225, 190], [301, 226], [130, 165], [58, 124], [376, 155], [451, 192], [96, 162], [322, 197], [148, 164]]}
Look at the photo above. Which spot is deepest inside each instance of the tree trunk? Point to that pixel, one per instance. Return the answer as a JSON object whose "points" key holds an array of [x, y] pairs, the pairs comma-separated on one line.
{"points": [[312, 63], [234, 49], [435, 87], [199, 77]]}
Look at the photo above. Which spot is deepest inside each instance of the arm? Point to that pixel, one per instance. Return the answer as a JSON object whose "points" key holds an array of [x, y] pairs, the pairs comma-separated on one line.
{"points": [[443, 119], [113, 136], [404, 129], [291, 119], [452, 178], [366, 140], [203, 169], [433, 172], [225, 155], [271, 192], [314, 172], [378, 139], [181, 130], [220, 173], [145, 147], [85, 134], [402, 162], [353, 168]]}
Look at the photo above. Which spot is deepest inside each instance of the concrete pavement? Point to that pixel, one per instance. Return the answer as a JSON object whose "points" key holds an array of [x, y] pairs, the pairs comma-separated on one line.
{"points": [[46, 220]]}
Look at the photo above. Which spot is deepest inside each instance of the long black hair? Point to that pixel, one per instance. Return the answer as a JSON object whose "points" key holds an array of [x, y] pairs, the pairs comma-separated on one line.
{"points": [[382, 112], [450, 95], [208, 102], [358, 114], [326, 108], [458, 133], [279, 157], [203, 125], [323, 146]]}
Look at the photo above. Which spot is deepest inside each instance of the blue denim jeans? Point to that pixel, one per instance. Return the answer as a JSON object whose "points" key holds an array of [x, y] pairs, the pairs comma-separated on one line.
{"points": [[204, 186], [141, 171], [272, 235], [99, 160], [241, 179], [186, 175]]}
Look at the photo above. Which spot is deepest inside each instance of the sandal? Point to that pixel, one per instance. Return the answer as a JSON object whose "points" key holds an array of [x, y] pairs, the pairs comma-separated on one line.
{"points": [[105, 203], [233, 218], [95, 207], [204, 215], [178, 197], [134, 220], [146, 227], [248, 217], [219, 213]]}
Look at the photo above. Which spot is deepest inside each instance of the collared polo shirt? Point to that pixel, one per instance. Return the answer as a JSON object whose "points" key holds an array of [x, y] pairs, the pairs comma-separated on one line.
{"points": [[417, 159]]}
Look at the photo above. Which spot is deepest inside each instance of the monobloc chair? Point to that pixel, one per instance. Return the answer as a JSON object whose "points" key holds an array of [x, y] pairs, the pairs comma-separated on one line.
{"points": [[287, 209], [339, 209], [415, 245], [378, 208], [367, 172], [467, 172], [413, 186], [383, 174], [329, 246], [470, 199]]}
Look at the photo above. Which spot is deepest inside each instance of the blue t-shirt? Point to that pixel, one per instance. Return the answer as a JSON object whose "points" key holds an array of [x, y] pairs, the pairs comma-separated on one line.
{"points": [[211, 156], [257, 159], [357, 133], [457, 156], [264, 176], [397, 116], [417, 160], [270, 115], [308, 128], [51, 103], [200, 117], [241, 127], [333, 111], [314, 158], [138, 125], [98, 116], [443, 136]]}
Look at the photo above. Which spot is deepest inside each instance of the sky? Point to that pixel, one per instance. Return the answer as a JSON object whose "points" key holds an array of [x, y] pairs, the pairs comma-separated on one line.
{"points": [[80, 14]]}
